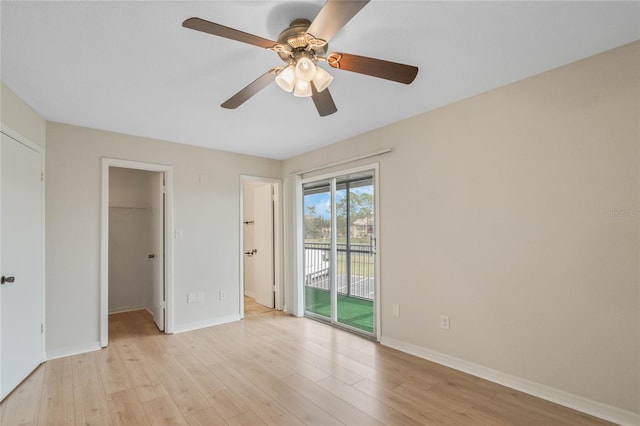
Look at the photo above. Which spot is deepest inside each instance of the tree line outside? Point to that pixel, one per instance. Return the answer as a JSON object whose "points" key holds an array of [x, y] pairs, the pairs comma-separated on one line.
{"points": [[317, 227]]}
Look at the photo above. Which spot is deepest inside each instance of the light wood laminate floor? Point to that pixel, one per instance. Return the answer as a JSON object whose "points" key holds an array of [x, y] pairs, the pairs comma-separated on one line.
{"points": [[270, 368]]}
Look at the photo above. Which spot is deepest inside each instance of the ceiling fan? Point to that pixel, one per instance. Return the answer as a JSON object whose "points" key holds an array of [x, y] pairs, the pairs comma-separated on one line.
{"points": [[301, 46]]}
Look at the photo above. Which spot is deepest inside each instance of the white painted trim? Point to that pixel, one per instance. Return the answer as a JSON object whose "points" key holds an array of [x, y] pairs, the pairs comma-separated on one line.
{"points": [[278, 241], [338, 173], [594, 408], [72, 350], [298, 255], [241, 271], [17, 136], [376, 261], [21, 138], [333, 252], [341, 162], [44, 255], [196, 325], [104, 241], [278, 221], [104, 255], [291, 258], [129, 309]]}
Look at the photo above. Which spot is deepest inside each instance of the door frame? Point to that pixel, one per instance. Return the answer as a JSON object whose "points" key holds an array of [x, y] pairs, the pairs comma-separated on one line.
{"points": [[8, 131], [300, 243], [104, 241], [277, 240]]}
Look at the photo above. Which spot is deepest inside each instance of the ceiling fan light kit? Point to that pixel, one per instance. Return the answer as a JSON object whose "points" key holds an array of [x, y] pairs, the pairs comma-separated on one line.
{"points": [[303, 89], [305, 69], [301, 46], [300, 75], [286, 78], [322, 79]]}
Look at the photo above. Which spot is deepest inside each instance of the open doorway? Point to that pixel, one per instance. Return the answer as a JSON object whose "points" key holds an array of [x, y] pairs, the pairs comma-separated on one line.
{"points": [[136, 242], [260, 238], [136, 253]]}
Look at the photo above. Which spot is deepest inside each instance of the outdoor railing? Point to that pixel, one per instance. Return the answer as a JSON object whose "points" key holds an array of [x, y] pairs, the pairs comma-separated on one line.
{"points": [[355, 275]]}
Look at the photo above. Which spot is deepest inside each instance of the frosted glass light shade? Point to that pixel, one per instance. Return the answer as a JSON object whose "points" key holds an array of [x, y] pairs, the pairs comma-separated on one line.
{"points": [[286, 78], [305, 69], [322, 79], [303, 89]]}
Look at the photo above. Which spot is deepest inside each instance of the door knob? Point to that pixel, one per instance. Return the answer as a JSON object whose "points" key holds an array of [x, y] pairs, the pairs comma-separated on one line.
{"points": [[152, 256], [7, 279]]}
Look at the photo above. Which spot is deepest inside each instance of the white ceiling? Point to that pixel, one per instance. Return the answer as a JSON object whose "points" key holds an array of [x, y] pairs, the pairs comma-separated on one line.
{"points": [[131, 67]]}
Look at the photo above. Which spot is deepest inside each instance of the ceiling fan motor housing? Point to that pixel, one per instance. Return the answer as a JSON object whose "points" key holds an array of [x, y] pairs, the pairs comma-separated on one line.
{"points": [[300, 42]]}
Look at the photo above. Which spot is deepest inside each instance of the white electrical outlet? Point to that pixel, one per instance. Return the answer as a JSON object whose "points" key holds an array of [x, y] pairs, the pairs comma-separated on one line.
{"points": [[222, 295], [444, 322], [395, 310]]}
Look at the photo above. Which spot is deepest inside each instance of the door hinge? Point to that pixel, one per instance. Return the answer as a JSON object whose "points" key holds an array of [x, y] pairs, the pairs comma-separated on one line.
{"points": [[41, 328], [163, 305], [42, 176], [274, 287]]}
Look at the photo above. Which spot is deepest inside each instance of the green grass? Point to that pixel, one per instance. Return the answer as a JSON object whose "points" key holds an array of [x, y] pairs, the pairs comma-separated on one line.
{"points": [[352, 311], [361, 265]]}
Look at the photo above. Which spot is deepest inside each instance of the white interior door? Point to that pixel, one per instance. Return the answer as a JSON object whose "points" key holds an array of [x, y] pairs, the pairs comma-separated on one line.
{"points": [[21, 263], [157, 249], [263, 239]]}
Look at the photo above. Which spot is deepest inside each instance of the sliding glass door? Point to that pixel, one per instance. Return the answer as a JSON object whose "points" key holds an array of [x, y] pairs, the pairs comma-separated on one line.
{"points": [[317, 249], [340, 250]]}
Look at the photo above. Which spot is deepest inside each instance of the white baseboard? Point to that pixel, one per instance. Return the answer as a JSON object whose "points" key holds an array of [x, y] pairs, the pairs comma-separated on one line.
{"points": [[127, 309], [594, 408], [250, 294], [181, 328], [72, 350]]}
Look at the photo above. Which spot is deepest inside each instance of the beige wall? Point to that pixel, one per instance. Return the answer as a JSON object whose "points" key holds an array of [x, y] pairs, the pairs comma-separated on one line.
{"points": [[516, 213], [206, 208], [20, 117]]}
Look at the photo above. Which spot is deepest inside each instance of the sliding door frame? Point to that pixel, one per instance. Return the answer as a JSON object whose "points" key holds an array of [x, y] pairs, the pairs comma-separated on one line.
{"points": [[374, 167]]}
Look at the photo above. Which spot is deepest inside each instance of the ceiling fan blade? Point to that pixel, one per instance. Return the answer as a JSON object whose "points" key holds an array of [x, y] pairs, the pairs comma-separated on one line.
{"points": [[374, 67], [226, 32], [333, 16], [252, 89], [323, 101]]}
